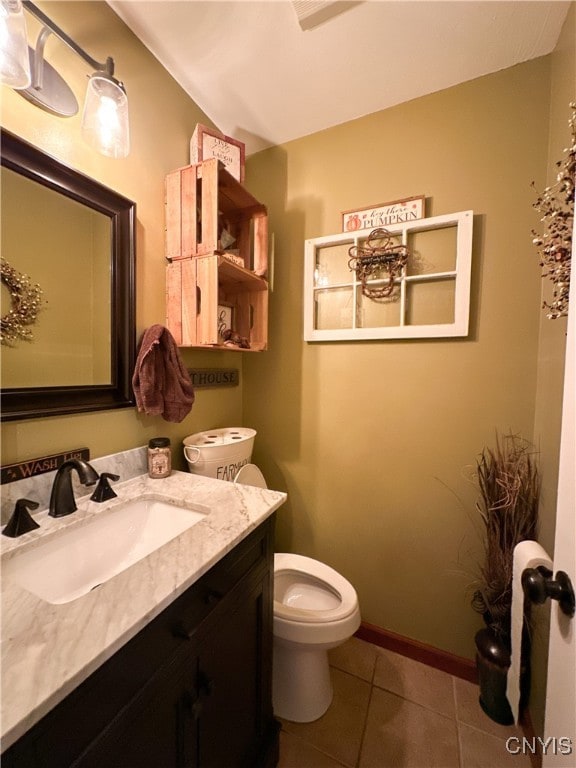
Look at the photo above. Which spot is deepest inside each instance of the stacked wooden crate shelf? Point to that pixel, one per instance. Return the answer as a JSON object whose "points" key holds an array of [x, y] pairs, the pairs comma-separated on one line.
{"points": [[204, 205]]}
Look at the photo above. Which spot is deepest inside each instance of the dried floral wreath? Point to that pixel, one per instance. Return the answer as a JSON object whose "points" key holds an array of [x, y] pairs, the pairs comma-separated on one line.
{"points": [[26, 302], [556, 204], [380, 259]]}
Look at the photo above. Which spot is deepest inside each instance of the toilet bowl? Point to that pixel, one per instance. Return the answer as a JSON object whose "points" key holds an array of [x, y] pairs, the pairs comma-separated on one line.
{"points": [[315, 609]]}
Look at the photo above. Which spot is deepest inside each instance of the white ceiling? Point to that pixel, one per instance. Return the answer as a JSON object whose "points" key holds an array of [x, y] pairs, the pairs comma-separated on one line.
{"points": [[263, 80]]}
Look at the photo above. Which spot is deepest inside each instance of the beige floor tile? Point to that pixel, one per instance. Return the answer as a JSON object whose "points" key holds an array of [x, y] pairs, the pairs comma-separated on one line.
{"points": [[296, 753], [338, 733], [415, 681], [356, 657], [469, 711], [402, 734], [482, 750]]}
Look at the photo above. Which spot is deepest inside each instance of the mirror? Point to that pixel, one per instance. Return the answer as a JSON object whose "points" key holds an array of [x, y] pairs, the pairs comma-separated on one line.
{"points": [[70, 242]]}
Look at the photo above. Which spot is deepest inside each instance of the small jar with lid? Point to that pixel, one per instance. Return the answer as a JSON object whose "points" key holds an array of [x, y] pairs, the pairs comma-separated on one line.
{"points": [[159, 457]]}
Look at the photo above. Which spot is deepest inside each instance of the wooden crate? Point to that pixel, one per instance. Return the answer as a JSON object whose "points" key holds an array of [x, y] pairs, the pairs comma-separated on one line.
{"points": [[182, 302], [194, 289], [204, 199]]}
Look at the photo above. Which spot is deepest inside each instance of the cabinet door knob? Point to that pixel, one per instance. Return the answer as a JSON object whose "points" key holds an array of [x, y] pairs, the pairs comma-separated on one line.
{"points": [[213, 597], [205, 684], [192, 704], [179, 630]]}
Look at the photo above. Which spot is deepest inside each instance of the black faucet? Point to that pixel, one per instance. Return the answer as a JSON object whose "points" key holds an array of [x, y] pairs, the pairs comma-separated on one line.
{"points": [[62, 497]]}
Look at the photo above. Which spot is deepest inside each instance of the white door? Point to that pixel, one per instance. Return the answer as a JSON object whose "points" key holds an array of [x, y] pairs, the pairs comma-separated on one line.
{"points": [[560, 725]]}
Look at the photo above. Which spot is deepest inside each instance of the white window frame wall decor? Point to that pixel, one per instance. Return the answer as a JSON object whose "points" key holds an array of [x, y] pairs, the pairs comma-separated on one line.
{"points": [[459, 276]]}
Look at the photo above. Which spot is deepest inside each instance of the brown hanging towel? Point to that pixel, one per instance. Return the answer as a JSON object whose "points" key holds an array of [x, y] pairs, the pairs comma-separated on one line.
{"points": [[161, 383]]}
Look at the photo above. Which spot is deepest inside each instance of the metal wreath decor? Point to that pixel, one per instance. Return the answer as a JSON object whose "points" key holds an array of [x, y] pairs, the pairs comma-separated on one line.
{"points": [[26, 302], [371, 260]]}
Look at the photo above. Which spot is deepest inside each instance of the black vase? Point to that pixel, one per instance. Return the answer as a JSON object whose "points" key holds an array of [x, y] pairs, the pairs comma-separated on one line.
{"points": [[493, 663]]}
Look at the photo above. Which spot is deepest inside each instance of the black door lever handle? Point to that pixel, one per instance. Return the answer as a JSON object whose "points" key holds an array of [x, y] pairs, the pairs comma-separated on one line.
{"points": [[538, 585]]}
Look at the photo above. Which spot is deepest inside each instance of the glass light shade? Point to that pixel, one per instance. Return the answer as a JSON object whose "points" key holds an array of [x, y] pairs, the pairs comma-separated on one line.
{"points": [[105, 118], [14, 59]]}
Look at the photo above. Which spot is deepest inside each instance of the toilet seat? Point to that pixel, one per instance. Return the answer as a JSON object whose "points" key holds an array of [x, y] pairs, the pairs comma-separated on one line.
{"points": [[314, 573], [249, 474]]}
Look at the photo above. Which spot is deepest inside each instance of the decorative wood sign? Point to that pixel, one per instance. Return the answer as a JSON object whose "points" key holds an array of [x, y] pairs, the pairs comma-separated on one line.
{"points": [[384, 214], [25, 469], [207, 143], [206, 378]]}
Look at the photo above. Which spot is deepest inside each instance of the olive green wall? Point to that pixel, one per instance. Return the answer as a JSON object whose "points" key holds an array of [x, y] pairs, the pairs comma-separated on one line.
{"points": [[553, 332], [374, 440], [163, 119], [551, 351]]}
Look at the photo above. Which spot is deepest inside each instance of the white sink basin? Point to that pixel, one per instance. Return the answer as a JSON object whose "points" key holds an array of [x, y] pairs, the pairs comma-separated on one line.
{"points": [[74, 561]]}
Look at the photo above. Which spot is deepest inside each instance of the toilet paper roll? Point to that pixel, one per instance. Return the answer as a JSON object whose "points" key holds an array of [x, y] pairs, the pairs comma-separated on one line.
{"points": [[527, 554]]}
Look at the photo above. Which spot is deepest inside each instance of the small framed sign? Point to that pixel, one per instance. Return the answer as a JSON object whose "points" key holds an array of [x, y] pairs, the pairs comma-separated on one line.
{"points": [[384, 214], [207, 143], [225, 317]]}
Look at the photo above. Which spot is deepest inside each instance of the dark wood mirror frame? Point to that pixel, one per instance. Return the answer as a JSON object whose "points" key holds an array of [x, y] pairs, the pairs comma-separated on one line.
{"points": [[31, 402]]}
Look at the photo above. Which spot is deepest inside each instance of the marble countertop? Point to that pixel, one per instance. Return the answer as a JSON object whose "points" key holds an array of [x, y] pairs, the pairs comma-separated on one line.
{"points": [[48, 649]]}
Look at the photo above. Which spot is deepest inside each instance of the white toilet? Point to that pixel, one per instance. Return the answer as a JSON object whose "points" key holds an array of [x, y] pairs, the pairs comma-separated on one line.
{"points": [[315, 609]]}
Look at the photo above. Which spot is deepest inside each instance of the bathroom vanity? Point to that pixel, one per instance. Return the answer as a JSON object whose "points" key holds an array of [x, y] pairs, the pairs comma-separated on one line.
{"points": [[168, 663]]}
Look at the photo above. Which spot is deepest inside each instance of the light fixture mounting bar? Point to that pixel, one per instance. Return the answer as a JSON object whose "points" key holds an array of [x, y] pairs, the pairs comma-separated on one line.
{"points": [[107, 66]]}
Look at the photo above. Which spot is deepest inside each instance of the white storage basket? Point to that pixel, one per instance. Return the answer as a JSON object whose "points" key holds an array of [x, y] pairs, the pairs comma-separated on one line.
{"points": [[219, 453]]}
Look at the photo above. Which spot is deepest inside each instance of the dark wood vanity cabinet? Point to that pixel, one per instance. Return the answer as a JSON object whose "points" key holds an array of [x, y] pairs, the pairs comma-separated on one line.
{"points": [[191, 690]]}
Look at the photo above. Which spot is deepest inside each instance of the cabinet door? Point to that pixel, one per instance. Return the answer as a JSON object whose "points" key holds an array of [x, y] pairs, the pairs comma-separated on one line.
{"points": [[158, 729], [235, 682]]}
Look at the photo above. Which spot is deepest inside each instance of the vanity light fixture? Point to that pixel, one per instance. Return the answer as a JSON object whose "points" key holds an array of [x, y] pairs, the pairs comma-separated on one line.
{"points": [[105, 124], [14, 62]]}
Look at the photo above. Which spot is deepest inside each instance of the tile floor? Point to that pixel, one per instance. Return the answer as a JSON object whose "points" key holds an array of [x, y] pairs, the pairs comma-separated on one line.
{"points": [[392, 712]]}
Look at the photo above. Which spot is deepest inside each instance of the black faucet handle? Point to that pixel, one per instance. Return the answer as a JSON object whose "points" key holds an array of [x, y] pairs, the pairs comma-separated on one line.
{"points": [[21, 521], [103, 490]]}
